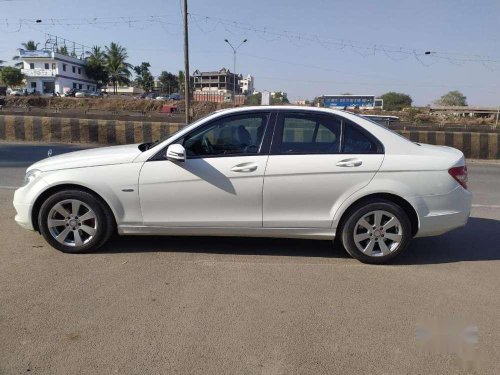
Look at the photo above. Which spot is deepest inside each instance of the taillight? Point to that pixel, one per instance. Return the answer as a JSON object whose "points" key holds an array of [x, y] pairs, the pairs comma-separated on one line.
{"points": [[460, 175]]}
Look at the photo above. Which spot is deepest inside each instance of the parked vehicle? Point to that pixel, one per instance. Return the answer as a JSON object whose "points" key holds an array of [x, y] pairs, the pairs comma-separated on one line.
{"points": [[162, 97], [82, 94], [17, 93], [70, 93], [175, 96], [276, 171], [96, 94]]}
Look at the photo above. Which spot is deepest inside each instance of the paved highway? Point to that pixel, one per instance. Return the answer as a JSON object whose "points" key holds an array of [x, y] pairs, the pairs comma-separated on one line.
{"points": [[259, 306]]}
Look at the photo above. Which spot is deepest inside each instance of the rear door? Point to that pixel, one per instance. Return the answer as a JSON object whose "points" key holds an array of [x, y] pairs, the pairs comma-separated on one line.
{"points": [[317, 160]]}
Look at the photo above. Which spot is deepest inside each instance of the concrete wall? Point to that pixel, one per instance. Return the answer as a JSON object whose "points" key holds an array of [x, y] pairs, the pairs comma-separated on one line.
{"points": [[73, 130]]}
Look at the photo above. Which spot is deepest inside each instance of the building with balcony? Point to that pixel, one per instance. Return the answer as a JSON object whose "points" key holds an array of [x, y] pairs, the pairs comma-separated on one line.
{"points": [[247, 85], [49, 72], [222, 81]]}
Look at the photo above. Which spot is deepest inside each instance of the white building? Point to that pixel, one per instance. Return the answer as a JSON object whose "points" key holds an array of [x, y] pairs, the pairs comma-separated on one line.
{"points": [[247, 85], [50, 72]]}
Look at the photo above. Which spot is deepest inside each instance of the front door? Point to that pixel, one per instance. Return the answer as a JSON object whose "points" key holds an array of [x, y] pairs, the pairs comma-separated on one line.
{"points": [[317, 161], [220, 183]]}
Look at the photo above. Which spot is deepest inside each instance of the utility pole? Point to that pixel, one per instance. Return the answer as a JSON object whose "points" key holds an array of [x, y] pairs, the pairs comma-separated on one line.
{"points": [[187, 97], [234, 67], [498, 113]]}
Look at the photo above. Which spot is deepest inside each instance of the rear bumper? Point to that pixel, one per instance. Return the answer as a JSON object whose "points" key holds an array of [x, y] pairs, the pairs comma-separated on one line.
{"points": [[439, 214]]}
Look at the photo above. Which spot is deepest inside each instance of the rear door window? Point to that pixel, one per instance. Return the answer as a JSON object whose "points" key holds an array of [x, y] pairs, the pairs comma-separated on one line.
{"points": [[310, 133], [356, 141]]}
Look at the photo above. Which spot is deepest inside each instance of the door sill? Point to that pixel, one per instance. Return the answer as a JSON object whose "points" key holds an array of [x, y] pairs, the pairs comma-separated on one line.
{"points": [[306, 233]]}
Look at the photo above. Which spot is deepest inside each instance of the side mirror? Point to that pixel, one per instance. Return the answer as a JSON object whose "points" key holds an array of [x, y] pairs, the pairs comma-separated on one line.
{"points": [[176, 152]]}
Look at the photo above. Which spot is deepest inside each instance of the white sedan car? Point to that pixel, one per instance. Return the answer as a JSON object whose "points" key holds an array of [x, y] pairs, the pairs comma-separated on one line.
{"points": [[257, 171]]}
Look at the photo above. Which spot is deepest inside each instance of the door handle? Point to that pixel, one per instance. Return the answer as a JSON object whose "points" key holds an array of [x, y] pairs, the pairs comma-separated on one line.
{"points": [[244, 167], [350, 163]]}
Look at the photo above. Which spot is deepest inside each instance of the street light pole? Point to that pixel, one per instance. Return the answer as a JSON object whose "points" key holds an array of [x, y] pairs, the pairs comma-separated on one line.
{"points": [[186, 63], [234, 67]]}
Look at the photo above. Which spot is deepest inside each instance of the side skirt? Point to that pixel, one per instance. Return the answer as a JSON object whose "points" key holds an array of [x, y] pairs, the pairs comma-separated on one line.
{"points": [[306, 233]]}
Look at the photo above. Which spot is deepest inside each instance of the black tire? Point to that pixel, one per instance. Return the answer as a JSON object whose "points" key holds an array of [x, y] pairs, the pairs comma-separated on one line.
{"points": [[104, 222], [348, 227]]}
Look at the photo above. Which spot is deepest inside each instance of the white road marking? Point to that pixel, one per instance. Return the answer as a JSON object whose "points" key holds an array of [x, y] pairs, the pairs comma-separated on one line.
{"points": [[9, 187], [494, 206]]}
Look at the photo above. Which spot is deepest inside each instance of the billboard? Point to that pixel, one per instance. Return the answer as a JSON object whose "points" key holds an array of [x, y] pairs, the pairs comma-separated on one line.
{"points": [[41, 53], [349, 101]]}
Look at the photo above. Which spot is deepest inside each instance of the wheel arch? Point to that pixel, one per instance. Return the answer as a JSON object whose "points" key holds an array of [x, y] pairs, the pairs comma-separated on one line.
{"points": [[403, 203], [57, 188]]}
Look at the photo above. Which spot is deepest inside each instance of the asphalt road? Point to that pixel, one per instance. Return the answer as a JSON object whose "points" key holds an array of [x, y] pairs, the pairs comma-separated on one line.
{"points": [[158, 305]]}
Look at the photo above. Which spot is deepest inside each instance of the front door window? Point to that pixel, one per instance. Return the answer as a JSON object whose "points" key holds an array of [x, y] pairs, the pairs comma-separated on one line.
{"points": [[235, 135]]}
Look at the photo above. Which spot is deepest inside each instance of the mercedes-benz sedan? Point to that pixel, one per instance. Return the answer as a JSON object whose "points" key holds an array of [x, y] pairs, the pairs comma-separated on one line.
{"points": [[282, 171]]}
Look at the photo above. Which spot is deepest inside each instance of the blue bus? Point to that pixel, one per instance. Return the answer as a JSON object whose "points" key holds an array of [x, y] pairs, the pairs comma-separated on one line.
{"points": [[352, 101]]}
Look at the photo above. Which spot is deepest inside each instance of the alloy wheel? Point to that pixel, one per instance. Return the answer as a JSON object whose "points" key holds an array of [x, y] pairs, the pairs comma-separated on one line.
{"points": [[378, 233], [72, 222]]}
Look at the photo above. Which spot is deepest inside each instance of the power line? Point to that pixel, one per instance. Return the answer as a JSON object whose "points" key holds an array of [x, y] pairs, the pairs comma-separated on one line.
{"points": [[207, 24]]}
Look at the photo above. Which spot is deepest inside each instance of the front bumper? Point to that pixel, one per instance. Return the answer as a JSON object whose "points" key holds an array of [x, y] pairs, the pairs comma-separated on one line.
{"points": [[439, 214], [24, 199], [23, 217]]}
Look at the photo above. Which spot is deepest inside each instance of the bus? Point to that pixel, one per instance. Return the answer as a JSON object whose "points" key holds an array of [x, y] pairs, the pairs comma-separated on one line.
{"points": [[352, 101]]}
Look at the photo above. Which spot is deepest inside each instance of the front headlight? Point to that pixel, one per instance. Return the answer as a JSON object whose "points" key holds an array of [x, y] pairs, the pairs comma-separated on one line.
{"points": [[30, 176]]}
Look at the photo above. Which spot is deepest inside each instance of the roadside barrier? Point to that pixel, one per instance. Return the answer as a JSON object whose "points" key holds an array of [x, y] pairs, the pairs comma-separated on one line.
{"points": [[473, 144], [73, 130]]}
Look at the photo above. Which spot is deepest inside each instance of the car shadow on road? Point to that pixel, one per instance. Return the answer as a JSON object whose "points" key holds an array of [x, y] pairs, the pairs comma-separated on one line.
{"points": [[224, 245], [475, 242]]}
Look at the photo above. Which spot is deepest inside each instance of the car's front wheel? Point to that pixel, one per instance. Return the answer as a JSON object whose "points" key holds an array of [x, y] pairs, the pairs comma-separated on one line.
{"points": [[376, 231], [75, 221]]}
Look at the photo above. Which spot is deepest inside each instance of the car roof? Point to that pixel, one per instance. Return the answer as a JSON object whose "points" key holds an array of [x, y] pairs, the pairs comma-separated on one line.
{"points": [[281, 107]]}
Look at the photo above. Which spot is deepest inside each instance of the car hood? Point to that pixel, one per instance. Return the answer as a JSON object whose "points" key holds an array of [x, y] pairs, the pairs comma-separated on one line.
{"points": [[89, 158]]}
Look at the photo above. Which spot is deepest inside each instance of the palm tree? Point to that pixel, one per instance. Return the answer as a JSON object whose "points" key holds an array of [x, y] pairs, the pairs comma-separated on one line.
{"points": [[30, 45], [117, 66], [95, 66]]}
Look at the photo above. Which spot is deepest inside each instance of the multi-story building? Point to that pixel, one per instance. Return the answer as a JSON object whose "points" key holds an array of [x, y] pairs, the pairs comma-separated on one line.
{"points": [[49, 72], [222, 81], [247, 85]]}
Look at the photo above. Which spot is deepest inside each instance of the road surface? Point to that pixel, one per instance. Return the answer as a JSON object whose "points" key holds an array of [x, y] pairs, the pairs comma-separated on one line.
{"points": [[158, 305]]}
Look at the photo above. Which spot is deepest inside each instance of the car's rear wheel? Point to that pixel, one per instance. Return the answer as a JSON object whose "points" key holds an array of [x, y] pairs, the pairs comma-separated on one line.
{"points": [[75, 221], [376, 231]]}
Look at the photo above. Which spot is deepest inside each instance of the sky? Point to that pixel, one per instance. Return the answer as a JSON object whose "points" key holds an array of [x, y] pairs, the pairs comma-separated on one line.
{"points": [[305, 48]]}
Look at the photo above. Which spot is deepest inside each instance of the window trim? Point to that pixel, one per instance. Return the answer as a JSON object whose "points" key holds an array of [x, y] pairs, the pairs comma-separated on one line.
{"points": [[263, 147], [280, 125], [278, 137], [370, 136]]}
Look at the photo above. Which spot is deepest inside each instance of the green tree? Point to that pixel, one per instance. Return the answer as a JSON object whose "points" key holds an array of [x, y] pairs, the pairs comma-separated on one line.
{"points": [[396, 101], [144, 79], [63, 50], [30, 45], [254, 99], [278, 98], [11, 76], [117, 66], [95, 66], [452, 98], [181, 82], [169, 82]]}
